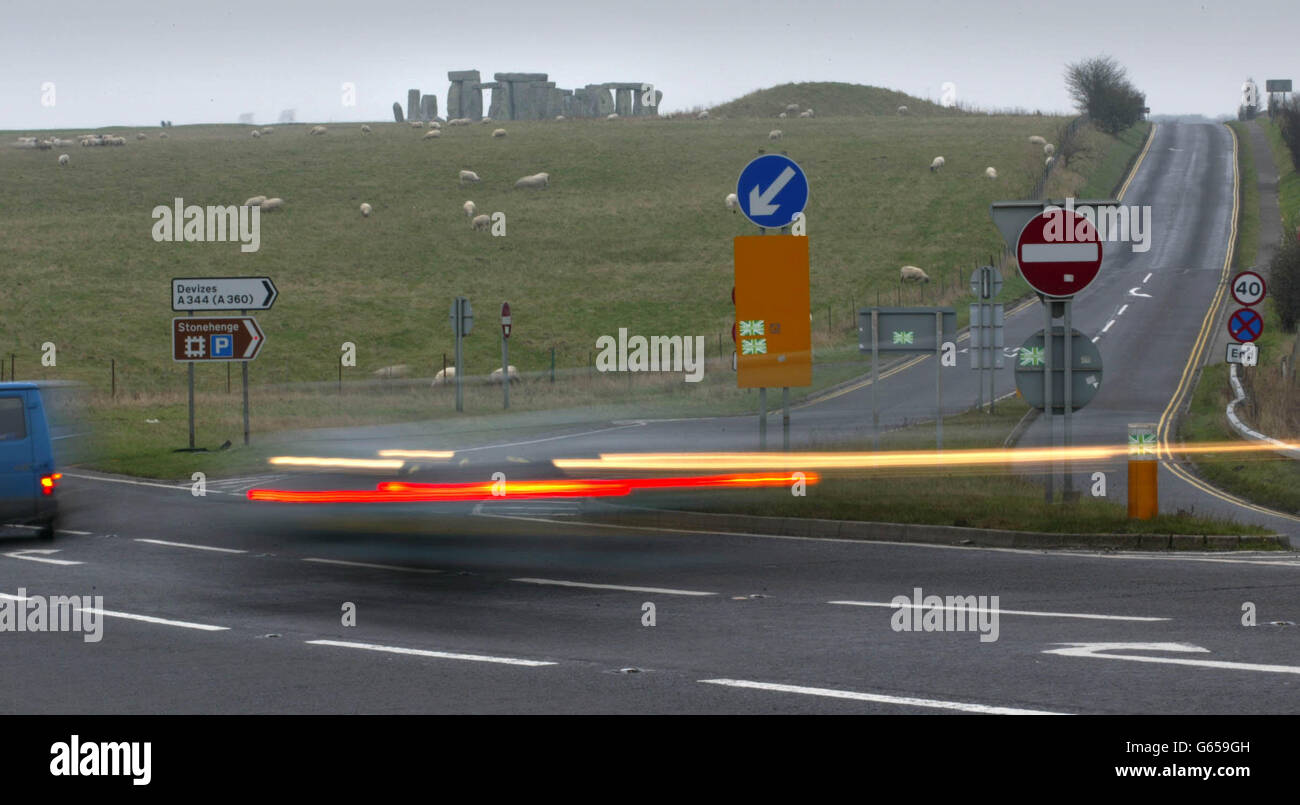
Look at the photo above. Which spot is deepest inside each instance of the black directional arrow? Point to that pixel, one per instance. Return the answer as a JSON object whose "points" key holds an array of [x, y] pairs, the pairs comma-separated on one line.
{"points": [[270, 293]]}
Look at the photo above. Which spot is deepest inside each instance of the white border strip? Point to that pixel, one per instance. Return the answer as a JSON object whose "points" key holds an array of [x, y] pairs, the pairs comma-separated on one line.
{"points": [[188, 545], [880, 698], [445, 655], [662, 590]]}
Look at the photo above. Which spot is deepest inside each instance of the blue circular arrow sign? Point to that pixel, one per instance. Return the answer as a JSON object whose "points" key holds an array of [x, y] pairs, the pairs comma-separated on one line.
{"points": [[772, 189], [1245, 325]]}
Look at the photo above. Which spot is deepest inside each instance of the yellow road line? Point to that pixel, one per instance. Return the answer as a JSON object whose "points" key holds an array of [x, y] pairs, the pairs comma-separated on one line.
{"points": [[1151, 137]]}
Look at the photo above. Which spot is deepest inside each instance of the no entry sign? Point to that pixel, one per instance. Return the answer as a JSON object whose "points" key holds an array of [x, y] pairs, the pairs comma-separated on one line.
{"points": [[1059, 253], [1245, 325]]}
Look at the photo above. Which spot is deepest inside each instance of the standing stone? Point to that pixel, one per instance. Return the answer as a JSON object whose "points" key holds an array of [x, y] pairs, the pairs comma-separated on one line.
{"points": [[472, 100], [428, 107], [453, 100], [623, 102], [412, 104], [459, 94], [603, 101], [397, 111]]}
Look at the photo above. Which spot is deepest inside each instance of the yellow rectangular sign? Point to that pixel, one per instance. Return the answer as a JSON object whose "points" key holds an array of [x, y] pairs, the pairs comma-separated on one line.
{"points": [[773, 330]]}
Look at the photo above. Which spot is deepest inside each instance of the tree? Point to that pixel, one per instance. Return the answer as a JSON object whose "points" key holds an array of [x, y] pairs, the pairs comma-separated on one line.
{"points": [[1100, 87]]}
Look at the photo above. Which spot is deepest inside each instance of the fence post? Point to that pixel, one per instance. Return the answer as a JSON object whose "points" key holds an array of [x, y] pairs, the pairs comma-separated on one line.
{"points": [[113, 372], [552, 364]]}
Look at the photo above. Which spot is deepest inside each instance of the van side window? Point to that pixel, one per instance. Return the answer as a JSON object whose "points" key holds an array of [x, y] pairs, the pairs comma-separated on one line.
{"points": [[13, 419]]}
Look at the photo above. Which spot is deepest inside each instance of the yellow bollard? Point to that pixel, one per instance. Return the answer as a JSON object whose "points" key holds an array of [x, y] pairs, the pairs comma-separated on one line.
{"points": [[1143, 471]]}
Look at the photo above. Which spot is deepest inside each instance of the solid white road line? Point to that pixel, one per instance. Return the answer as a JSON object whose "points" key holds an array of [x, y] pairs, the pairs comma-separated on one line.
{"points": [[662, 590], [906, 701], [204, 627], [1092, 649], [372, 566], [44, 552], [1082, 615], [187, 545], [416, 652]]}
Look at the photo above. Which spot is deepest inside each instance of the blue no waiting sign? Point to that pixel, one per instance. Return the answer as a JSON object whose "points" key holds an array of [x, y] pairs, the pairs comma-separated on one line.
{"points": [[1245, 325], [772, 189]]}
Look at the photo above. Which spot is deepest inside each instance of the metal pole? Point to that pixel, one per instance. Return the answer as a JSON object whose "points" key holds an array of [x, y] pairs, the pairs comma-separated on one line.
{"points": [[977, 344], [340, 374], [938, 380], [1067, 483], [785, 419], [552, 364], [245, 373], [113, 371], [1047, 391], [459, 308], [191, 374], [875, 380], [227, 378], [505, 370], [762, 418]]}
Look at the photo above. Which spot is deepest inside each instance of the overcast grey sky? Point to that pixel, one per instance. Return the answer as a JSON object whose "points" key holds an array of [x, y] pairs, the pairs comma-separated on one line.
{"points": [[132, 62]]}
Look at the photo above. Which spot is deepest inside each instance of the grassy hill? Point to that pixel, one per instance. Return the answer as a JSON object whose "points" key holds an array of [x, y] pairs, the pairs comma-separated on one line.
{"points": [[829, 99]]}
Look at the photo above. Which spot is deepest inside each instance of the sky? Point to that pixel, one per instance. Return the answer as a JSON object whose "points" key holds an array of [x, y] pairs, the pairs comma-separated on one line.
{"points": [[76, 64]]}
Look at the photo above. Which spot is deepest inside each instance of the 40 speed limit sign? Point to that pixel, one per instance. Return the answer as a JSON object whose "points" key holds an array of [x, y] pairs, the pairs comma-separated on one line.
{"points": [[1248, 288]]}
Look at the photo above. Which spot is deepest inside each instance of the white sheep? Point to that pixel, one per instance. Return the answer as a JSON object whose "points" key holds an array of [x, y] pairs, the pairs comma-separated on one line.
{"points": [[703, 115], [912, 274], [902, 110], [162, 135], [936, 164], [792, 107], [559, 117], [536, 180], [513, 373], [417, 124], [433, 124], [783, 115], [365, 210], [365, 129], [444, 376], [272, 204], [498, 132], [316, 130], [268, 130], [64, 159], [255, 201], [1049, 149], [1036, 140], [468, 176], [481, 222], [733, 202], [485, 119], [432, 134], [612, 116], [775, 134], [141, 136], [807, 113], [255, 133], [991, 172], [470, 208], [458, 121]]}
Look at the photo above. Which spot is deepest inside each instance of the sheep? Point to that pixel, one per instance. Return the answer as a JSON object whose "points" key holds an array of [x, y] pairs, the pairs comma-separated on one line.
{"points": [[936, 164], [432, 134], [807, 113], [733, 202], [255, 133], [792, 107], [316, 130], [481, 222], [1036, 140], [268, 130], [775, 134], [272, 204], [902, 110], [1049, 149], [485, 119], [468, 176], [470, 208], [417, 124], [64, 159], [783, 115], [512, 372], [162, 135], [397, 370], [536, 180], [498, 132], [703, 115], [444, 376], [57, 141], [612, 116], [559, 117], [255, 201], [433, 124], [458, 121], [365, 210], [141, 136], [365, 129], [912, 274], [991, 172]]}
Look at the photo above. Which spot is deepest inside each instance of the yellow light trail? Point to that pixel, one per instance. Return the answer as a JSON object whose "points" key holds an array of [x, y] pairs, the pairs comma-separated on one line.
{"points": [[416, 453]]}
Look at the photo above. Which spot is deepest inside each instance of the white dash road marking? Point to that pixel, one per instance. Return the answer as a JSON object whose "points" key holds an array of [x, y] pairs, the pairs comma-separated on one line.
{"points": [[57, 530], [444, 655], [1147, 277], [906, 701], [1096, 338], [1122, 308], [1108, 325], [1083, 615], [44, 554], [1092, 649], [661, 590], [371, 565], [188, 545]]}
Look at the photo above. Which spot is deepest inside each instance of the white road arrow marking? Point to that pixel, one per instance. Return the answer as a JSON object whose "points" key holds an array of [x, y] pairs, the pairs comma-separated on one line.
{"points": [[761, 203], [1134, 292], [43, 552], [1096, 649]]}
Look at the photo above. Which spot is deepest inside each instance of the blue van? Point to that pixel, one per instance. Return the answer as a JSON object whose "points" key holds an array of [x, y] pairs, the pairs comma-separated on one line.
{"points": [[27, 477]]}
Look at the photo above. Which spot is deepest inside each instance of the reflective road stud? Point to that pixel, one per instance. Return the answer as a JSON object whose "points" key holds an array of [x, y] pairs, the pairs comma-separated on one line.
{"points": [[1143, 466]]}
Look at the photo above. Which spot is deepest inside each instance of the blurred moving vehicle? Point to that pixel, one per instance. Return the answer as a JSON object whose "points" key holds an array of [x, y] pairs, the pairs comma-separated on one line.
{"points": [[27, 476]]}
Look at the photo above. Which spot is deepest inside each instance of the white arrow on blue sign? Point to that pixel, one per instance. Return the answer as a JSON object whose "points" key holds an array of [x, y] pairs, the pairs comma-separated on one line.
{"points": [[772, 189]]}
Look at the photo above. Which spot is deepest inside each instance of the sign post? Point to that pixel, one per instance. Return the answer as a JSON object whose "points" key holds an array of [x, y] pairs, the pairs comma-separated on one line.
{"points": [[505, 354], [215, 340], [907, 329], [986, 320], [462, 323]]}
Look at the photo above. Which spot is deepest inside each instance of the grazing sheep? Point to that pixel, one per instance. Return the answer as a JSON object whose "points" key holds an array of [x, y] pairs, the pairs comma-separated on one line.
{"points": [[64, 159], [733, 202], [912, 274], [255, 201], [498, 132], [703, 115], [902, 110], [792, 107], [783, 115], [458, 121], [1036, 140], [536, 180], [481, 222], [936, 164], [612, 116], [57, 141], [775, 134], [432, 134], [417, 124], [495, 376], [991, 172], [365, 129], [485, 119], [398, 370], [255, 133], [316, 130], [468, 176], [444, 376], [268, 130], [433, 124], [365, 210], [807, 113], [141, 136], [470, 208], [559, 117], [162, 135], [272, 204], [1049, 149]]}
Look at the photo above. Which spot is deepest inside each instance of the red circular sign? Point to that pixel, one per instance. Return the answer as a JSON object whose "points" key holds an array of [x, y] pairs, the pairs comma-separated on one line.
{"points": [[1059, 252], [1248, 288]]}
